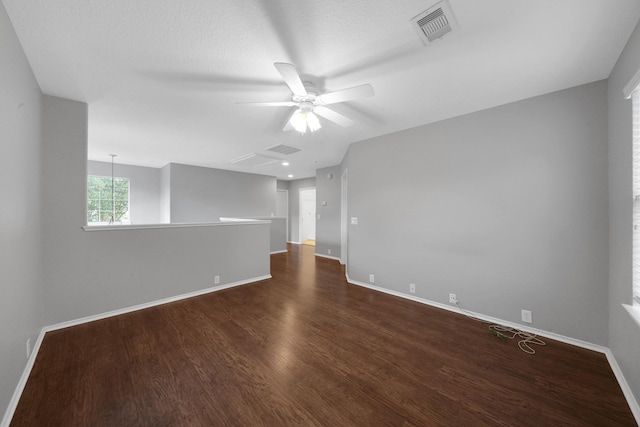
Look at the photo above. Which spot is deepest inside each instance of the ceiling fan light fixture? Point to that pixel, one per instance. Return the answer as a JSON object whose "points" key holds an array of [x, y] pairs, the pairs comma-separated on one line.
{"points": [[313, 122], [303, 119], [299, 121]]}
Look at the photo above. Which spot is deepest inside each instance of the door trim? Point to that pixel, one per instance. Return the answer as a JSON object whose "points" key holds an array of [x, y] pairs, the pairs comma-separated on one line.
{"points": [[300, 238]]}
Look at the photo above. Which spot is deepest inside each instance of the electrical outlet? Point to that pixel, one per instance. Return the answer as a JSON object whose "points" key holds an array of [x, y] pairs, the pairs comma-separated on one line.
{"points": [[28, 347], [371, 278], [216, 280], [354, 220], [453, 299], [328, 251], [526, 316], [412, 288]]}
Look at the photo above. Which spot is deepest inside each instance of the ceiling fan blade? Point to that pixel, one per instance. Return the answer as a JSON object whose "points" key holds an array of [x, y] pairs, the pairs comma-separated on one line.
{"points": [[356, 92], [333, 116], [268, 104], [291, 78]]}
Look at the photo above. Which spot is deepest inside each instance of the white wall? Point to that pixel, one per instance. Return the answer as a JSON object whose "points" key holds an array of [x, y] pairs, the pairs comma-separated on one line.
{"points": [[144, 189], [294, 206], [328, 189], [624, 334], [506, 207], [88, 273], [199, 194], [21, 301]]}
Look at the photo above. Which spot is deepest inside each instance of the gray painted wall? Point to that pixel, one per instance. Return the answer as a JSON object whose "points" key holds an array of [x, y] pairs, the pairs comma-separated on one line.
{"points": [[88, 273], [294, 206], [282, 185], [201, 194], [165, 194], [144, 189], [328, 189], [507, 208], [624, 334], [21, 214], [277, 234]]}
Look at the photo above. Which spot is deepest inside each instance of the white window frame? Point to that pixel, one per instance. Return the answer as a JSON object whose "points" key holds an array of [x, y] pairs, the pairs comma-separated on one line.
{"points": [[128, 220], [635, 100]]}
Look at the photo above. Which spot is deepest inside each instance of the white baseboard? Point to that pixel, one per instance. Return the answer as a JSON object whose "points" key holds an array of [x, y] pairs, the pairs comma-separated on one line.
{"points": [[624, 385], [151, 304], [542, 333], [278, 252], [628, 394], [294, 243], [13, 404], [328, 257]]}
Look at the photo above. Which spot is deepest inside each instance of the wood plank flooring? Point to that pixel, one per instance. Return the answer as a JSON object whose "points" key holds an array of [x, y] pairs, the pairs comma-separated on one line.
{"points": [[307, 349]]}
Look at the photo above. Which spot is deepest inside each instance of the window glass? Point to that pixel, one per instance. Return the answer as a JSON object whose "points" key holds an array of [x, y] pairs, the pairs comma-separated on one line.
{"points": [[108, 200]]}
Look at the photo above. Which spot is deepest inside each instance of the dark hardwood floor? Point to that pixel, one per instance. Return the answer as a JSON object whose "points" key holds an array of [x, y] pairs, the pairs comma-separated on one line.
{"points": [[306, 348]]}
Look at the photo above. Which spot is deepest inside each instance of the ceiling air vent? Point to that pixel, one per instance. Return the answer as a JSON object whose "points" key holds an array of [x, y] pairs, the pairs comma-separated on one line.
{"points": [[283, 149], [252, 160], [435, 22]]}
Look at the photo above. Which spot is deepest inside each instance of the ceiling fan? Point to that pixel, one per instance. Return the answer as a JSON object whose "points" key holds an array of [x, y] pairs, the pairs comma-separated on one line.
{"points": [[310, 102]]}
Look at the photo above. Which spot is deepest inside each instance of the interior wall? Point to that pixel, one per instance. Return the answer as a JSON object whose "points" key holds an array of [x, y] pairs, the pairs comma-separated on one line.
{"points": [[201, 194], [294, 206], [165, 194], [21, 213], [507, 208], [328, 200], [624, 333], [144, 189], [92, 272]]}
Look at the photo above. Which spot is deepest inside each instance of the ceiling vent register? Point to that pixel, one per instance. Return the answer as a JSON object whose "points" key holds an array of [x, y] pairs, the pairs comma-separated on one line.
{"points": [[435, 22], [253, 160], [283, 149]]}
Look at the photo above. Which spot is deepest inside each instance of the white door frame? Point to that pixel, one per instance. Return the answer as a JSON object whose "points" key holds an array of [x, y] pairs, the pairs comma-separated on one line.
{"points": [[344, 243], [300, 211]]}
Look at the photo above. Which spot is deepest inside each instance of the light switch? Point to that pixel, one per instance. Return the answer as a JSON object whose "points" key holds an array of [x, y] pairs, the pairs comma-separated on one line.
{"points": [[324, 203], [354, 220]]}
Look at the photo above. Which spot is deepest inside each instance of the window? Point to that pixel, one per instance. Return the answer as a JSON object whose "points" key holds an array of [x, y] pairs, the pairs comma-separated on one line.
{"points": [[108, 200], [635, 97]]}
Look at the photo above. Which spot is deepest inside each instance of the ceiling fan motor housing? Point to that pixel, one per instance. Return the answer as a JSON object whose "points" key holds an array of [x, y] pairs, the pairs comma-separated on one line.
{"points": [[306, 106], [312, 94]]}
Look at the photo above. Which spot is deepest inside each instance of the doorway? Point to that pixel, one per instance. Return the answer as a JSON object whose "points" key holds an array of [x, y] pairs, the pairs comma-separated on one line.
{"points": [[308, 216], [343, 220]]}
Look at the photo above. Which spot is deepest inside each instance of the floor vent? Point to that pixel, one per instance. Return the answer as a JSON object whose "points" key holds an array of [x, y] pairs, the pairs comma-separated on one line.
{"points": [[283, 149], [435, 22]]}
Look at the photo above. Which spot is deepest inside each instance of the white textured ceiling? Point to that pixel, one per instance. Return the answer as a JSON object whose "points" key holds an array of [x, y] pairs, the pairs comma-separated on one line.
{"points": [[162, 77]]}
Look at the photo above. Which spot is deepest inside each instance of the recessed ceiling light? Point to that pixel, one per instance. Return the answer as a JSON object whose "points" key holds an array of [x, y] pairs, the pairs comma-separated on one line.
{"points": [[290, 176], [285, 163]]}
